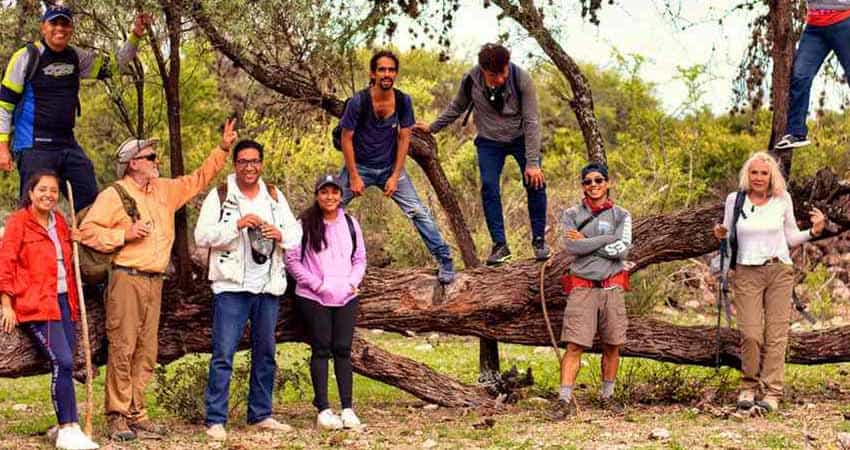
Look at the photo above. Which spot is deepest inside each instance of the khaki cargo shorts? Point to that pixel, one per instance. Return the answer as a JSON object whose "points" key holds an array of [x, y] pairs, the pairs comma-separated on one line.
{"points": [[592, 309]]}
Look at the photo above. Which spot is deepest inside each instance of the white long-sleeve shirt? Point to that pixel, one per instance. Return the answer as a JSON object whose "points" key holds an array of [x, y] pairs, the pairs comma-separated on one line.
{"points": [[768, 231]]}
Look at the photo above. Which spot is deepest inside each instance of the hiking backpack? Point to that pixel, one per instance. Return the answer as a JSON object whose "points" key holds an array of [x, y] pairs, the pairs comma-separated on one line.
{"points": [[95, 265]]}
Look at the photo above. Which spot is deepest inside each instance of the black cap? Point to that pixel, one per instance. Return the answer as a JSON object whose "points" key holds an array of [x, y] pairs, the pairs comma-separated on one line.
{"points": [[327, 179]]}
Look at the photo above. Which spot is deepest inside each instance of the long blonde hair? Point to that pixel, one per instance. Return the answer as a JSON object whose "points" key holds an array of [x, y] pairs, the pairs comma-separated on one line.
{"points": [[777, 181]]}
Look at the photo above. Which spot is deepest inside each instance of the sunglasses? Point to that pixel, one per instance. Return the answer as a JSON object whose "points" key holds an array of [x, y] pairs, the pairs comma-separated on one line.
{"points": [[589, 181], [150, 157]]}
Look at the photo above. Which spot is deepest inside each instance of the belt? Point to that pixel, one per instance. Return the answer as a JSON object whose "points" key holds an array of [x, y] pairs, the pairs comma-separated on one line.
{"points": [[768, 262], [138, 273]]}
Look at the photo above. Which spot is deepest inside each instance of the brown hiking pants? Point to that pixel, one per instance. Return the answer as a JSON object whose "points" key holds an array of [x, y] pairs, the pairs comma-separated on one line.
{"points": [[132, 325], [763, 304]]}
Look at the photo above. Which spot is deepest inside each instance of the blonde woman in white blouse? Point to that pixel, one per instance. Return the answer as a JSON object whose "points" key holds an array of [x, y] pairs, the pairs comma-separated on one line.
{"points": [[763, 276]]}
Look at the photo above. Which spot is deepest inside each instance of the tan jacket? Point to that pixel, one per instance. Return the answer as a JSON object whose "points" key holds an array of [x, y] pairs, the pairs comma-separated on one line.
{"points": [[106, 223]]}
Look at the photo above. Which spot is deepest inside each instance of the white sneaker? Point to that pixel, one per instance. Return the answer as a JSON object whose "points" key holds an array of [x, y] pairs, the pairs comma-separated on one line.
{"points": [[72, 438], [328, 420], [270, 424], [349, 419], [217, 432]]}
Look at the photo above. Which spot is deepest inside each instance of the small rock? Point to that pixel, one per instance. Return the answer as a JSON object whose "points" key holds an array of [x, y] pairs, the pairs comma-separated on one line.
{"points": [[796, 326], [20, 407], [430, 443], [424, 347], [837, 321], [539, 350], [659, 434], [584, 363], [692, 304], [409, 333], [376, 331], [430, 407], [433, 337], [843, 440]]}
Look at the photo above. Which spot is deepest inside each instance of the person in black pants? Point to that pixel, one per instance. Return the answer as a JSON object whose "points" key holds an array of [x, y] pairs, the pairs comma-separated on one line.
{"points": [[328, 267]]}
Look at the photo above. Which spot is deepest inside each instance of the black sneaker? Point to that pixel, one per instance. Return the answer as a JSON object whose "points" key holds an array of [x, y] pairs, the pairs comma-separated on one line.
{"points": [[790, 141], [612, 405], [500, 254], [562, 410], [542, 252]]}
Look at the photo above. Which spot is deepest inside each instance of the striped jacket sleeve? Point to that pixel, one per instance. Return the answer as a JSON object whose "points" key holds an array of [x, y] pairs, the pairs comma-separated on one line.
{"points": [[12, 90]]}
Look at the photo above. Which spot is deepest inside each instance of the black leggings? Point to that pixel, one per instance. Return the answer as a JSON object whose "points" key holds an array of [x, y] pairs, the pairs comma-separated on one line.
{"points": [[329, 331]]}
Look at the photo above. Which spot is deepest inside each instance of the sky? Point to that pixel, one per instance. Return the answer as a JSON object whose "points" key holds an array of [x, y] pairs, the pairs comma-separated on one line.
{"points": [[692, 34]]}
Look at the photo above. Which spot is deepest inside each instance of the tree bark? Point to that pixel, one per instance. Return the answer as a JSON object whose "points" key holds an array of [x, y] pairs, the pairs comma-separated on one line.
{"points": [[170, 75], [782, 39]]}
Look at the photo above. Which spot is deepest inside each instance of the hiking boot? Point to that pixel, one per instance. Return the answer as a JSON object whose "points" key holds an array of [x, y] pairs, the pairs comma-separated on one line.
{"points": [[270, 424], [562, 410], [609, 404], [746, 399], [446, 272], [217, 432], [500, 254], [790, 141], [145, 429], [118, 428], [328, 420], [542, 252], [769, 403]]}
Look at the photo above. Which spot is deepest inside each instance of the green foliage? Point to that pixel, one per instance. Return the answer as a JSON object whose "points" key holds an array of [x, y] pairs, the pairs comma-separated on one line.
{"points": [[815, 288], [640, 381], [179, 387]]}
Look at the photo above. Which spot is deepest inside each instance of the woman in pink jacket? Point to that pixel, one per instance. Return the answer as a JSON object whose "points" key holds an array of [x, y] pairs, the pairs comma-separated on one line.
{"points": [[328, 267]]}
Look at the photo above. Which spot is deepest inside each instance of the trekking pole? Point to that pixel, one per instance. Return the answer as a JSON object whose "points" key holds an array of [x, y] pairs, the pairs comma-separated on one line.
{"points": [[87, 427], [721, 291]]}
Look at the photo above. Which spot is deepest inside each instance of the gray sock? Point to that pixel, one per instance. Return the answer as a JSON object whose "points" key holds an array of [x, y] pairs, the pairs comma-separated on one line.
{"points": [[566, 393], [607, 389]]}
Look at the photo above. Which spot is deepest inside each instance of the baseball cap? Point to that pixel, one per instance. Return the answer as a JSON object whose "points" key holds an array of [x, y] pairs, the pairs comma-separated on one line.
{"points": [[328, 179], [55, 11], [128, 150]]}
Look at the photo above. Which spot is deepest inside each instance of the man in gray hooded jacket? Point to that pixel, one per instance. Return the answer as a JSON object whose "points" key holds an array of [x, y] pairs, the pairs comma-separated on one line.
{"points": [[599, 235]]}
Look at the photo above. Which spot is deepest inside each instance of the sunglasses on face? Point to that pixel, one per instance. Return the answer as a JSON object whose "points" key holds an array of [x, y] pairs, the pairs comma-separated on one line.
{"points": [[589, 181], [150, 157]]}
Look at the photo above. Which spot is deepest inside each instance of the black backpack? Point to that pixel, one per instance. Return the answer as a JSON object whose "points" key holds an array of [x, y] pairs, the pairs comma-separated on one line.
{"points": [[365, 112], [467, 89], [737, 212]]}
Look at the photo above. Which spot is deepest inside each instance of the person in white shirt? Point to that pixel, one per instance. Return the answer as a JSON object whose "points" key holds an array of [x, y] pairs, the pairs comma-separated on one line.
{"points": [[246, 224], [762, 274]]}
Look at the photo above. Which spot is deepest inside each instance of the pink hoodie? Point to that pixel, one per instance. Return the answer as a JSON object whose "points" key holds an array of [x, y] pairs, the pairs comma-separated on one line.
{"points": [[329, 276]]}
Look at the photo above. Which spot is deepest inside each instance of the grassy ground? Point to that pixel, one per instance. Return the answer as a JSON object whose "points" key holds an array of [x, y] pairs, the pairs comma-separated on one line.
{"points": [[691, 403]]}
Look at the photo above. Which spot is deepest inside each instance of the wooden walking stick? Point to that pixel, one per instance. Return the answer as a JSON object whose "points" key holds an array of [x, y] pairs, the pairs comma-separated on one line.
{"points": [[87, 426]]}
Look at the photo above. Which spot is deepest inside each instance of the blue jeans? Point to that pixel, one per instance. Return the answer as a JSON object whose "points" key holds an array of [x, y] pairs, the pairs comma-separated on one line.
{"points": [[70, 163], [814, 47], [407, 199], [57, 339], [491, 161], [232, 311]]}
